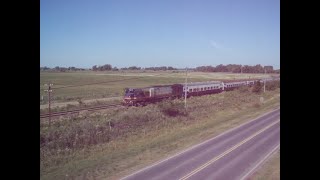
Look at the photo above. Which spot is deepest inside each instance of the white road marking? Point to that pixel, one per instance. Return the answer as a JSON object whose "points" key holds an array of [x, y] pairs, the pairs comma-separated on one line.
{"points": [[260, 162], [192, 147], [226, 152]]}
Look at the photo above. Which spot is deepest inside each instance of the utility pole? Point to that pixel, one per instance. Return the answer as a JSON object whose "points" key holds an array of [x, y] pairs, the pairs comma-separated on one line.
{"points": [[241, 69], [264, 86], [186, 89], [49, 90]]}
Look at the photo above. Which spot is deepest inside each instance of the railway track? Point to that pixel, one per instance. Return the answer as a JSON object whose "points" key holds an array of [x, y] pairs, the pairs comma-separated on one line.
{"points": [[61, 113]]}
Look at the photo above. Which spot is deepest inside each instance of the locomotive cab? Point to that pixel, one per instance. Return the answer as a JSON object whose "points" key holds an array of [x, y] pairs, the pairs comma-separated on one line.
{"points": [[128, 93], [132, 96]]}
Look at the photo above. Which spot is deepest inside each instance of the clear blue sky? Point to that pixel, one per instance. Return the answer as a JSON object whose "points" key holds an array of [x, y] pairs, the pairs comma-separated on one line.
{"points": [[144, 33]]}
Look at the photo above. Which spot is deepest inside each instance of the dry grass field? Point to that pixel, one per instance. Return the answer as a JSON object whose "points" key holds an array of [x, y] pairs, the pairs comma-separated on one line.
{"points": [[111, 84]]}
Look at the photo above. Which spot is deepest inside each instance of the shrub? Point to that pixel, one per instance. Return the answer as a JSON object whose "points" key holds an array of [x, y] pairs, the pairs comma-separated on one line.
{"points": [[243, 89], [256, 105], [80, 101], [172, 108], [257, 87], [270, 86]]}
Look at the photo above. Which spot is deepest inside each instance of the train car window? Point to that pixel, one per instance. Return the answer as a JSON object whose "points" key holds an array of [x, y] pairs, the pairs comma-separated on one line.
{"points": [[129, 90]]}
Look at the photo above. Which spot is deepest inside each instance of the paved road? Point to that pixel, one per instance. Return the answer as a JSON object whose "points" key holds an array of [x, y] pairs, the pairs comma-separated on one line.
{"points": [[231, 155]]}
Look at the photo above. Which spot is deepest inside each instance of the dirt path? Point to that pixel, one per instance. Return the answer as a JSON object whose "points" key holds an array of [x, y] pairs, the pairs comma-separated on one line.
{"points": [[62, 104]]}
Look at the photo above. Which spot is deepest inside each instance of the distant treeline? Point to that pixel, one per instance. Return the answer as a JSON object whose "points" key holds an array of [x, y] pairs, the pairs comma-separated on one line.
{"points": [[108, 67], [61, 69], [233, 68]]}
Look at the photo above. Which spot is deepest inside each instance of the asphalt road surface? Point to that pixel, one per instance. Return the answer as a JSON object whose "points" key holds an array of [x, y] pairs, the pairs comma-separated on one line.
{"points": [[234, 154]]}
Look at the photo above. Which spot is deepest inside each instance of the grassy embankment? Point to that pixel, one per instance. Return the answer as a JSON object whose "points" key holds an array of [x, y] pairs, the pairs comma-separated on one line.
{"points": [[269, 170]]}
